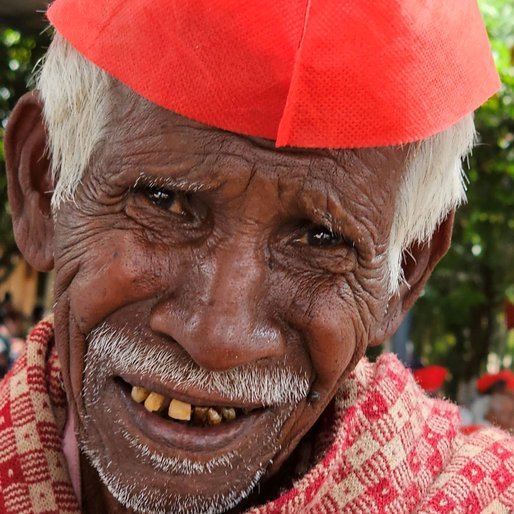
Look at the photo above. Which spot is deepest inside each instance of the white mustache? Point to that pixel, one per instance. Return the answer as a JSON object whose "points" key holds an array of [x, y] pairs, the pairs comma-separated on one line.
{"points": [[113, 350]]}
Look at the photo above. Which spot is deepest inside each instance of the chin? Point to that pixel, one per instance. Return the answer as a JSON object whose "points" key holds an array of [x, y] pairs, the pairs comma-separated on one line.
{"points": [[133, 492]]}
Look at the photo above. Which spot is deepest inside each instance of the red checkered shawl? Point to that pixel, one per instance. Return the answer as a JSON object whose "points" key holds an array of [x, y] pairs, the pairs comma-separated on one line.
{"points": [[388, 448]]}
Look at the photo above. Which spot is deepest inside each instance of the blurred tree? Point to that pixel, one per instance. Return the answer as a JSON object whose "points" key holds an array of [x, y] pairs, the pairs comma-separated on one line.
{"points": [[458, 320], [23, 14]]}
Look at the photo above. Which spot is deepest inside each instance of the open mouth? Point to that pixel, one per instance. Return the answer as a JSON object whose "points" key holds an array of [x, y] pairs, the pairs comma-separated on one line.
{"points": [[195, 424], [178, 410], [201, 428]]}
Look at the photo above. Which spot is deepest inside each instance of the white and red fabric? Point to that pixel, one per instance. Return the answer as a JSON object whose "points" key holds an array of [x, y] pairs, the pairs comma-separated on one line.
{"points": [[386, 448]]}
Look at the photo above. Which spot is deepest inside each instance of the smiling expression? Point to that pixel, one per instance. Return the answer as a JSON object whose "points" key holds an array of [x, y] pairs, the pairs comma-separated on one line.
{"points": [[218, 271]]}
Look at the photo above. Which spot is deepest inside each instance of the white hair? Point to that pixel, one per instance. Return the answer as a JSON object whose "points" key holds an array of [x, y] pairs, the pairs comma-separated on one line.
{"points": [[76, 95], [432, 186]]}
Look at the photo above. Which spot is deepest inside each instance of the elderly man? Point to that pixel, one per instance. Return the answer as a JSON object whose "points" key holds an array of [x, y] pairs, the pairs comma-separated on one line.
{"points": [[237, 199]]}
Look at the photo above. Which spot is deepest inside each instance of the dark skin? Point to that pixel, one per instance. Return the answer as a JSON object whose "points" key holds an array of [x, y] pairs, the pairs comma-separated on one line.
{"points": [[219, 247]]}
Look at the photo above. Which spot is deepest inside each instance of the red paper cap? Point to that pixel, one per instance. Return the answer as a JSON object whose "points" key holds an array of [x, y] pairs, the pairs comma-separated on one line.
{"points": [[431, 378], [317, 73]]}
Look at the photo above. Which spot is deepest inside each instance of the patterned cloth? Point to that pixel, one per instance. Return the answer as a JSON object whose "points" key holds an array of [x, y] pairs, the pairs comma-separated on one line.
{"points": [[387, 449], [33, 471]]}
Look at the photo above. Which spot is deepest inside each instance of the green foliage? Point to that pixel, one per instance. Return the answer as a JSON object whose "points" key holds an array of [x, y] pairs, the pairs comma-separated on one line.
{"points": [[458, 321], [18, 54]]}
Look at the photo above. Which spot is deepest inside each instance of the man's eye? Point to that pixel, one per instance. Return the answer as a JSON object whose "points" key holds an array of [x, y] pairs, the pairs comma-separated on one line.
{"points": [[321, 236], [166, 199]]}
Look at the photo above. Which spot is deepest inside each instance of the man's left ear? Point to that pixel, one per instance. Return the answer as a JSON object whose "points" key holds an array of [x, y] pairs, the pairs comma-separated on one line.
{"points": [[29, 182], [419, 262]]}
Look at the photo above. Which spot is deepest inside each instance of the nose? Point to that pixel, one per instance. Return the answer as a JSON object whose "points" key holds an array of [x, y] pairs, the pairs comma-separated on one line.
{"points": [[221, 316]]}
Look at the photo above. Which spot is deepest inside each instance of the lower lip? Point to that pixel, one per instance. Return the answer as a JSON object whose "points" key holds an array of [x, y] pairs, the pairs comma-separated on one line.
{"points": [[184, 437]]}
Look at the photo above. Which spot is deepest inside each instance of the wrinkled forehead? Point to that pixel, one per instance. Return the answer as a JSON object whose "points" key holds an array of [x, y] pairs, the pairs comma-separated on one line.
{"points": [[141, 135]]}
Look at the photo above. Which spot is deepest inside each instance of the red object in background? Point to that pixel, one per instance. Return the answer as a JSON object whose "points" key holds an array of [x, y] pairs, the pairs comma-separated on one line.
{"points": [[488, 380], [317, 73], [431, 378], [508, 309]]}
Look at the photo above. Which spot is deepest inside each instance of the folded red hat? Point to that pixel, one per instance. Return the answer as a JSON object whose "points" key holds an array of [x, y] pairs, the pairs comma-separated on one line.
{"points": [[431, 378], [311, 73], [488, 380]]}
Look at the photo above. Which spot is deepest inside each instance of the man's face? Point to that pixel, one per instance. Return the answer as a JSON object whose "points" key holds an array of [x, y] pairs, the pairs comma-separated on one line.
{"points": [[219, 271]]}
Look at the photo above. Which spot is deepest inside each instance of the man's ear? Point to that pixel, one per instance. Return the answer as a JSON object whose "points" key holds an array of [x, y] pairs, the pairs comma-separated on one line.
{"points": [[418, 265], [29, 182]]}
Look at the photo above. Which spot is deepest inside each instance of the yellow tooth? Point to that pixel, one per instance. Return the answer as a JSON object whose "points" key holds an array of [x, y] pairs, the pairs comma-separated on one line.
{"points": [[154, 402], [139, 394], [228, 413], [180, 410], [200, 414], [213, 417]]}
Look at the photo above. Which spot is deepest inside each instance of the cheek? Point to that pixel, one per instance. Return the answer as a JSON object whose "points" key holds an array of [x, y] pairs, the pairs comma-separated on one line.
{"points": [[117, 271], [333, 340], [336, 320], [325, 323]]}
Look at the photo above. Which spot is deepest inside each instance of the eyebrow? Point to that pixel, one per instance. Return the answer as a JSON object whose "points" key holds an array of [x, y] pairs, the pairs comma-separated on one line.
{"points": [[167, 182]]}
